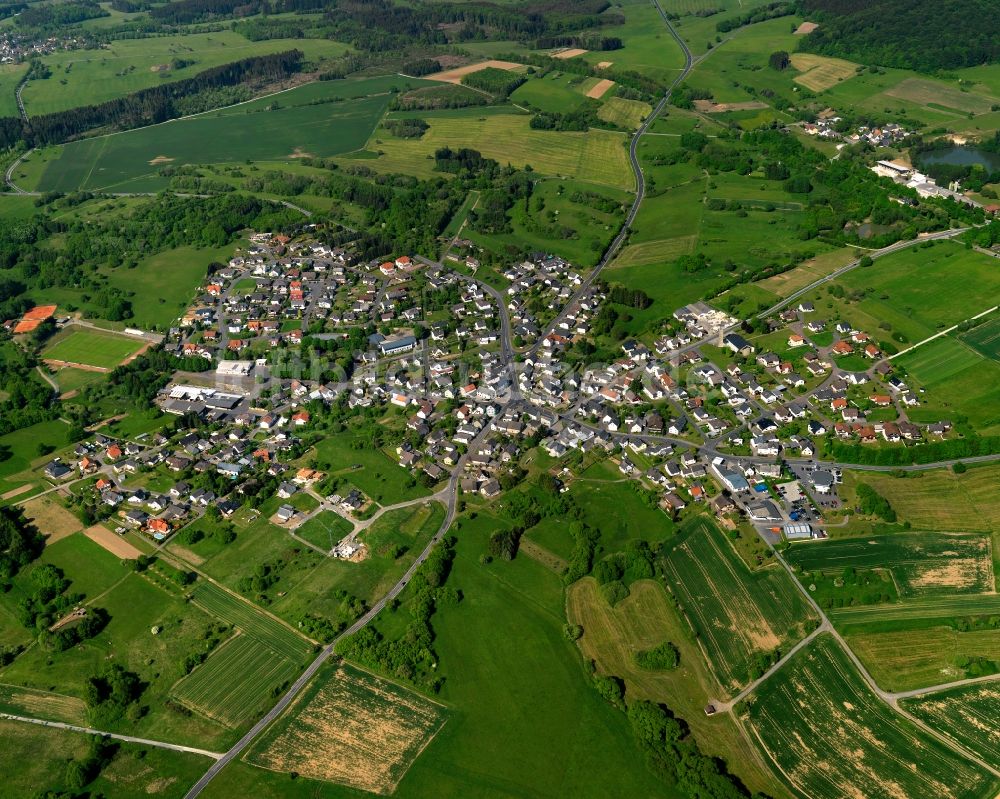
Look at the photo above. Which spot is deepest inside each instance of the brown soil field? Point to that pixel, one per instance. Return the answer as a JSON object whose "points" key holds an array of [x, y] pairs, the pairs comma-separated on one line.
{"points": [[160, 159], [600, 88], [112, 542], [86, 367], [51, 518], [573, 52], [455, 75], [16, 492], [604, 64], [356, 730], [708, 107], [806, 27]]}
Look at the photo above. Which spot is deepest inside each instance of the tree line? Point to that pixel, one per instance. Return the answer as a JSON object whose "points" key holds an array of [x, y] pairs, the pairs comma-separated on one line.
{"points": [[147, 106]]}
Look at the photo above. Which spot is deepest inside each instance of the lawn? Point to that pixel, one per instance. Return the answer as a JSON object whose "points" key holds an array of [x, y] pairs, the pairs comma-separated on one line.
{"points": [[237, 682], [644, 619], [967, 715], [596, 156], [82, 77], [921, 563], [830, 736], [740, 617], [19, 452], [91, 348], [321, 119], [369, 469]]}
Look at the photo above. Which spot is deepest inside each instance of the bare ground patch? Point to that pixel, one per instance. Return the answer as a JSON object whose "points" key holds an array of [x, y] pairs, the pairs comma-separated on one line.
{"points": [[604, 64], [709, 107], [112, 542], [356, 730], [51, 518], [160, 159], [599, 89], [455, 75], [16, 492], [806, 27], [298, 152], [572, 52]]}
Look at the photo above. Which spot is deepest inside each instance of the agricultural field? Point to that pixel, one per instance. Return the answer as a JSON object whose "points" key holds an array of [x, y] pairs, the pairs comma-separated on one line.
{"points": [[83, 77], [556, 92], [597, 156], [321, 119], [958, 381], [807, 272], [819, 73], [648, 46], [251, 620], [51, 518], [985, 338], [624, 113], [830, 736], [917, 610], [740, 617], [34, 703], [235, 682], [939, 499], [351, 728], [907, 659], [967, 715], [91, 348], [920, 563], [644, 619]]}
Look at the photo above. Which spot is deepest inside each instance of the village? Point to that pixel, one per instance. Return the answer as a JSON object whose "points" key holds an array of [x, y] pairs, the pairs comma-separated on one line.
{"points": [[289, 330]]}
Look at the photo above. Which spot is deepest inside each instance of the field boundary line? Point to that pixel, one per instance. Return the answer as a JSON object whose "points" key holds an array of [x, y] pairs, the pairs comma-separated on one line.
{"points": [[945, 333], [116, 736]]}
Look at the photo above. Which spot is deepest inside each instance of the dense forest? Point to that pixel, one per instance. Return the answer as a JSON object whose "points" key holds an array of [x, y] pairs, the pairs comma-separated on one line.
{"points": [[924, 35], [148, 106]]}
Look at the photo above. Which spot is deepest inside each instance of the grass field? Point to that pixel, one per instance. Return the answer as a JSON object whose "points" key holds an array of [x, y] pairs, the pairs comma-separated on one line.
{"points": [[958, 380], [33, 760], [596, 156], [938, 607], [644, 619], [19, 452], [624, 113], [920, 563], [556, 92], [814, 269], [236, 681], [367, 468], [91, 348], [82, 77], [10, 76], [738, 616], [967, 715], [934, 94], [939, 499], [251, 621], [830, 736], [324, 530], [351, 728], [648, 46], [322, 119], [20, 701], [900, 660]]}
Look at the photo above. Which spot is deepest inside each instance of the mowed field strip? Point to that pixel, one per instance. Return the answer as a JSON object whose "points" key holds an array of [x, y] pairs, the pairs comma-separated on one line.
{"points": [[351, 728], [235, 679], [939, 607], [831, 737], [819, 73], [737, 615], [252, 621]]}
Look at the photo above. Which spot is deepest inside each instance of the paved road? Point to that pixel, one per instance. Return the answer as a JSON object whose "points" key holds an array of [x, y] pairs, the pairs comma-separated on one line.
{"points": [[128, 738], [899, 245], [640, 183]]}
